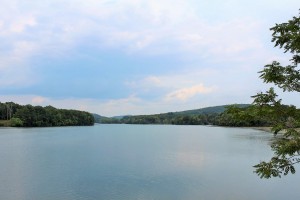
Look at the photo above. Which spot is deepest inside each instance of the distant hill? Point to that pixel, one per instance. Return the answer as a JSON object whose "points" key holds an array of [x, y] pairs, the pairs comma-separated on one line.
{"points": [[99, 118], [107, 120], [209, 110], [120, 117], [166, 117]]}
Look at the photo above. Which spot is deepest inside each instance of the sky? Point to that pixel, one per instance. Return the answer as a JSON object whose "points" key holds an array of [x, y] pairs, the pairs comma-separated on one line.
{"points": [[129, 57]]}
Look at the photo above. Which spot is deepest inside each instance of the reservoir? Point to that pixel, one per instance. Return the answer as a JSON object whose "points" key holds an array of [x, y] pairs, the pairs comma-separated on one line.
{"points": [[138, 162]]}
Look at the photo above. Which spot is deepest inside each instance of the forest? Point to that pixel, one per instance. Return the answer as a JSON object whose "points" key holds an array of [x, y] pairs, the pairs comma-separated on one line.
{"points": [[12, 114], [236, 115]]}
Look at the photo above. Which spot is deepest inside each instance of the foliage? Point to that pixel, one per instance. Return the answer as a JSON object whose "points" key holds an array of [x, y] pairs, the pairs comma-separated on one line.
{"points": [[16, 122], [4, 114], [228, 115], [241, 117], [171, 118], [285, 119], [38, 116]]}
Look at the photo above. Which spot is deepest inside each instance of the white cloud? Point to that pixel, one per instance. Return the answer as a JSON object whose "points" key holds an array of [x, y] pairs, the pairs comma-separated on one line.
{"points": [[152, 27], [14, 65], [175, 80], [21, 24], [112, 107], [200, 87], [174, 27], [53, 28], [185, 94], [39, 100], [122, 106], [134, 105], [154, 80]]}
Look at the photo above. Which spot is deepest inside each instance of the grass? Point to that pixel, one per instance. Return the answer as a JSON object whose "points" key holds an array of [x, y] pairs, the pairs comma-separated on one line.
{"points": [[5, 123]]}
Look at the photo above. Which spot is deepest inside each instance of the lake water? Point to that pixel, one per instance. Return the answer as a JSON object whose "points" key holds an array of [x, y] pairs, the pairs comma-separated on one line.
{"points": [[141, 162]]}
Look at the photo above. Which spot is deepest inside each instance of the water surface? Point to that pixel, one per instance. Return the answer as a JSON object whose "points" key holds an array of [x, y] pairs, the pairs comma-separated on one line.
{"points": [[141, 162]]}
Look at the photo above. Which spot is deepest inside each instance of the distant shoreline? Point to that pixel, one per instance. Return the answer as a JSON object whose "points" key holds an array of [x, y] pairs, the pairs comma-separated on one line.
{"points": [[266, 129]]}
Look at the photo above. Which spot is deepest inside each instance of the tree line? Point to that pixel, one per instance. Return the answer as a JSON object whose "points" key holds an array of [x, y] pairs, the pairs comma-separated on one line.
{"points": [[170, 118], [233, 116], [38, 116]]}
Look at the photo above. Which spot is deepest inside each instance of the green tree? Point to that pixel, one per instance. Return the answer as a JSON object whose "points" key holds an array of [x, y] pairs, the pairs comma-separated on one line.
{"points": [[284, 119], [16, 122]]}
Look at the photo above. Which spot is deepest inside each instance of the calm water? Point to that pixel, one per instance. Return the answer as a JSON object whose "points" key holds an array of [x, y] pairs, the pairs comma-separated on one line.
{"points": [[137, 162]]}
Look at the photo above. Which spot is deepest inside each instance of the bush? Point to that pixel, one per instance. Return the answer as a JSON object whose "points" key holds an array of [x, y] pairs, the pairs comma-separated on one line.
{"points": [[16, 122]]}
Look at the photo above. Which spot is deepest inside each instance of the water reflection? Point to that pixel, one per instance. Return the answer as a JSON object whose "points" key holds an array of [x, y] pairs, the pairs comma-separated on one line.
{"points": [[190, 160], [252, 135], [136, 162]]}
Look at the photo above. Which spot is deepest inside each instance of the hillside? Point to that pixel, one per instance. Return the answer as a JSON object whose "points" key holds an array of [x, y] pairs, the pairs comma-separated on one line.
{"points": [[99, 118], [209, 110], [106, 120], [196, 116]]}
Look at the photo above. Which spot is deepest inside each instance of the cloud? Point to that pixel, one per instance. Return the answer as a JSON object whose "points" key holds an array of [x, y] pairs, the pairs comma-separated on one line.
{"points": [[110, 107], [184, 94], [21, 24], [130, 105], [175, 80], [154, 80], [15, 70], [217, 50], [39, 100], [56, 28], [147, 27], [134, 105], [151, 27], [120, 106]]}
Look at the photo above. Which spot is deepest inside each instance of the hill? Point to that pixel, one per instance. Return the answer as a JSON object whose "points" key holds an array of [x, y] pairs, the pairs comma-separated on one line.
{"points": [[99, 118], [197, 116], [106, 120], [209, 110]]}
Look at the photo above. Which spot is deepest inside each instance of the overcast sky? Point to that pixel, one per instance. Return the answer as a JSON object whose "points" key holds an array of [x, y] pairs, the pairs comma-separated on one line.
{"points": [[118, 57]]}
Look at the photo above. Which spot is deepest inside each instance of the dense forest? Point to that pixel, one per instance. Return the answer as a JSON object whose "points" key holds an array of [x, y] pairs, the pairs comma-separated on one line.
{"points": [[237, 115], [12, 114], [203, 116]]}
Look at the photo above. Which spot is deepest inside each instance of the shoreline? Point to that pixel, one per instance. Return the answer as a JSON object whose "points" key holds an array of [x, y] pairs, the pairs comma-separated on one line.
{"points": [[262, 128]]}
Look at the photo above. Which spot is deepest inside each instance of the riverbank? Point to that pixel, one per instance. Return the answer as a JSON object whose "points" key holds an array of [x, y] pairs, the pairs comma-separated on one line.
{"points": [[266, 129], [5, 123]]}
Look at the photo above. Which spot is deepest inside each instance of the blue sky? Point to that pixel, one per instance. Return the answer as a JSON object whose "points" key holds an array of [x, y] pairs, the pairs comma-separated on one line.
{"points": [[118, 57]]}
